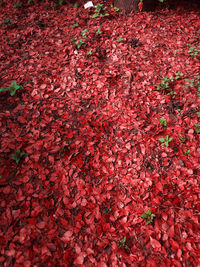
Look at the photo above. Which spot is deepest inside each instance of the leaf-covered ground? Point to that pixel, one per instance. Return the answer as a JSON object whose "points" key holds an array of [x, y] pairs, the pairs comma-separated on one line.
{"points": [[110, 128]]}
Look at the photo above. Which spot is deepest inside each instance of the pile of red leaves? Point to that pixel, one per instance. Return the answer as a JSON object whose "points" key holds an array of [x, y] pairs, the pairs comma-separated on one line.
{"points": [[90, 125]]}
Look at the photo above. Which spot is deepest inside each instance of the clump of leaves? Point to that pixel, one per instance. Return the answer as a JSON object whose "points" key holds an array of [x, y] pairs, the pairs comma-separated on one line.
{"points": [[120, 39], [78, 43], [64, 148], [12, 89], [57, 5], [166, 83], [182, 138], [122, 243], [194, 51], [18, 155], [7, 21], [165, 141], [75, 25], [106, 210], [187, 153], [163, 122], [100, 10], [98, 32], [115, 8], [148, 216], [197, 130], [16, 5]]}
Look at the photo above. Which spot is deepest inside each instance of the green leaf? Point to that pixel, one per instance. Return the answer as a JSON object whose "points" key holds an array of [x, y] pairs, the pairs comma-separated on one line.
{"points": [[198, 113], [95, 15], [161, 139], [75, 25], [182, 138]]}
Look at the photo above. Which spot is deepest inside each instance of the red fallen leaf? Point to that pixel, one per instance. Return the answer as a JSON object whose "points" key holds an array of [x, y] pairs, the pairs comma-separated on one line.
{"points": [[41, 225], [170, 231], [155, 243], [174, 244], [79, 260]]}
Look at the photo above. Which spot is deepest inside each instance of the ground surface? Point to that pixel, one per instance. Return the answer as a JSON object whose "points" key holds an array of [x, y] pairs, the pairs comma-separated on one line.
{"points": [[90, 124]]}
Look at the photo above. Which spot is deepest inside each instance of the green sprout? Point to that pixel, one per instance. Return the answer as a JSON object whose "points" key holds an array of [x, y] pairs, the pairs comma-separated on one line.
{"points": [[197, 130], [148, 216], [119, 40], [194, 51], [7, 21], [64, 148], [83, 33], [182, 138], [176, 51], [12, 89], [122, 243], [75, 25], [163, 122], [98, 31], [76, 5], [198, 113], [165, 141], [106, 210], [16, 5], [90, 52], [187, 153], [100, 11], [18, 155]]}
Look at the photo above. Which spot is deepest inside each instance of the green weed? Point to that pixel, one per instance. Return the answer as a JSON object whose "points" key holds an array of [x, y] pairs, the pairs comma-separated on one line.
{"points": [[194, 51], [122, 243], [12, 89], [65, 147], [18, 155], [197, 130], [163, 122], [100, 10], [182, 138], [148, 216], [187, 153], [119, 40], [106, 210], [75, 25], [7, 21], [165, 141]]}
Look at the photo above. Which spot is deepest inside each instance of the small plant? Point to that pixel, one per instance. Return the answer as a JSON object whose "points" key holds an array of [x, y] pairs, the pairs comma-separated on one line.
{"points": [[98, 32], [176, 51], [100, 10], [197, 130], [119, 40], [122, 243], [165, 141], [75, 25], [76, 5], [79, 43], [18, 155], [16, 5], [90, 52], [83, 33], [194, 51], [187, 153], [163, 122], [64, 148], [12, 89], [148, 216], [198, 113], [182, 138], [7, 21], [106, 210]]}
